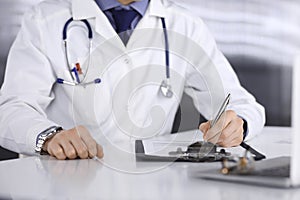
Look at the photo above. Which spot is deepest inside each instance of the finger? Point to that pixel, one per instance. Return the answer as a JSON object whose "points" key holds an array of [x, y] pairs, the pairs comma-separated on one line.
{"points": [[212, 136], [235, 125], [69, 149], [100, 152], [80, 148], [92, 147], [214, 132], [204, 127], [238, 139], [232, 135], [55, 150], [89, 142], [235, 139], [225, 119]]}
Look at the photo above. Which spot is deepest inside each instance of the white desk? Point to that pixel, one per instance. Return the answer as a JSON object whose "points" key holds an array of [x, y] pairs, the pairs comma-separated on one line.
{"points": [[46, 178]]}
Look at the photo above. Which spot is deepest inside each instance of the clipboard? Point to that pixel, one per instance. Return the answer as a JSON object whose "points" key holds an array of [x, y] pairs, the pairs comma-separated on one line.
{"points": [[142, 156], [211, 156], [196, 152]]}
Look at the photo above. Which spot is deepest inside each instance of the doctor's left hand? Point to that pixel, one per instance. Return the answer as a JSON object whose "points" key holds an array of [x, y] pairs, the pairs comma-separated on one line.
{"points": [[73, 143], [227, 132]]}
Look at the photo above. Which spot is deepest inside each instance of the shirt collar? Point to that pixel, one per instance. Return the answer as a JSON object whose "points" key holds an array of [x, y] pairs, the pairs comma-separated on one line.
{"points": [[156, 8], [139, 6]]}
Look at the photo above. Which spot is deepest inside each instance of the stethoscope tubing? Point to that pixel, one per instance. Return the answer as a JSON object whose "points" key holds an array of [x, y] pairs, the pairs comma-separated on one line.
{"points": [[65, 29], [71, 70], [167, 52]]}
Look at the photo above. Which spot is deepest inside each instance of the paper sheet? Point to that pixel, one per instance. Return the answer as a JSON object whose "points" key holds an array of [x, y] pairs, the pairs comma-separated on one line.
{"points": [[162, 148]]}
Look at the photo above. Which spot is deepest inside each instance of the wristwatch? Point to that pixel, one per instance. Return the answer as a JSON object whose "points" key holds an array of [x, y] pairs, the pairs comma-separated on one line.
{"points": [[44, 136]]}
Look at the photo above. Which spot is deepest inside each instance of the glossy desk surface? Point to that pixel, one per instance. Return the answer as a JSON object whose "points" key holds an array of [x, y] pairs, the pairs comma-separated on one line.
{"points": [[46, 178]]}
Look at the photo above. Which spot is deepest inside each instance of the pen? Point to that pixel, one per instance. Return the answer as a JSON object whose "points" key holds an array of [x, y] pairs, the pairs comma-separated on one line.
{"points": [[221, 110], [74, 70]]}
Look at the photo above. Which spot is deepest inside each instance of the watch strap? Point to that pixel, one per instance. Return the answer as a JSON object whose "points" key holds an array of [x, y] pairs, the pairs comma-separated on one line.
{"points": [[44, 136]]}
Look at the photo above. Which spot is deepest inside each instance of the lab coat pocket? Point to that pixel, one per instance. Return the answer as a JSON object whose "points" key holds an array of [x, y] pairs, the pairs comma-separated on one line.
{"points": [[80, 96], [83, 102], [92, 102], [65, 75]]}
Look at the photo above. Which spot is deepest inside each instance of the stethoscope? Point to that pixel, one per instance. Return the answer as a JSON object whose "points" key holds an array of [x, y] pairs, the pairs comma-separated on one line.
{"points": [[76, 70]]}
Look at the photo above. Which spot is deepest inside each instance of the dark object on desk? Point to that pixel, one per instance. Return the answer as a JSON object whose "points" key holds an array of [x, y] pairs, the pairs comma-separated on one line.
{"points": [[196, 152], [202, 146], [6, 154], [258, 155]]}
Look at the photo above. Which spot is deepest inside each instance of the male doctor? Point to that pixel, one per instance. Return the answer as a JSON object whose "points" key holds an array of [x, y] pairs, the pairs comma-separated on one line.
{"points": [[38, 114]]}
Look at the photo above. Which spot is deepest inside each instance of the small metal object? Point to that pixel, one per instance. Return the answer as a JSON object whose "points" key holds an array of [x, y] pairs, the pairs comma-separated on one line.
{"points": [[243, 165], [221, 110], [166, 88], [201, 152], [222, 151], [225, 168], [44, 136]]}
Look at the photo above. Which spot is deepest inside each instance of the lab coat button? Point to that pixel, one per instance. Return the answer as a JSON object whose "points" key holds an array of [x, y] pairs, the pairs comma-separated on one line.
{"points": [[126, 60]]}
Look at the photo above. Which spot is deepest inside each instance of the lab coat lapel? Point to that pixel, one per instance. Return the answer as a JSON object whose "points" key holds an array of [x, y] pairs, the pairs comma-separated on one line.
{"points": [[84, 9], [157, 9], [151, 20], [87, 9]]}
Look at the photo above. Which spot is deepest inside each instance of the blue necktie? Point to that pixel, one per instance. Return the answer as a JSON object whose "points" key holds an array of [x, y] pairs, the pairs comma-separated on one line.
{"points": [[123, 19]]}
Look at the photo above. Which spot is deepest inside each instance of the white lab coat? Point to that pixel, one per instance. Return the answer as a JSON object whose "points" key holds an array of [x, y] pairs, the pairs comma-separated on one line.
{"points": [[127, 103]]}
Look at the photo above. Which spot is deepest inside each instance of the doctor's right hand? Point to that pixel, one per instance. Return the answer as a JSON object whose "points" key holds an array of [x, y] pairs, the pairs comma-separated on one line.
{"points": [[73, 143]]}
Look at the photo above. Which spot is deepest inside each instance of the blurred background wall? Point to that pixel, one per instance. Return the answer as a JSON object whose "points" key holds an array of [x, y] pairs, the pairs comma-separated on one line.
{"points": [[11, 13], [258, 37]]}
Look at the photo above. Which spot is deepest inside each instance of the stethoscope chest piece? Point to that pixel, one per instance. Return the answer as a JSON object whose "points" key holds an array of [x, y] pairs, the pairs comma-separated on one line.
{"points": [[166, 89]]}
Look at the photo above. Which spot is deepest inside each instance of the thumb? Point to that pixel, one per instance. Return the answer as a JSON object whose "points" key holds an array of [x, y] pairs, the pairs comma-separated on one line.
{"points": [[100, 153], [204, 127]]}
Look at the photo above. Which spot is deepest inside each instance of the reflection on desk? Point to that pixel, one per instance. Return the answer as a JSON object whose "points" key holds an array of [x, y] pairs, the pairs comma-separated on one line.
{"points": [[47, 178]]}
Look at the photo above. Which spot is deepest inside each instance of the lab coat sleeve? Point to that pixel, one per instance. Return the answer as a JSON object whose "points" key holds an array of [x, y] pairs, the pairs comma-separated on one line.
{"points": [[26, 91], [242, 102]]}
